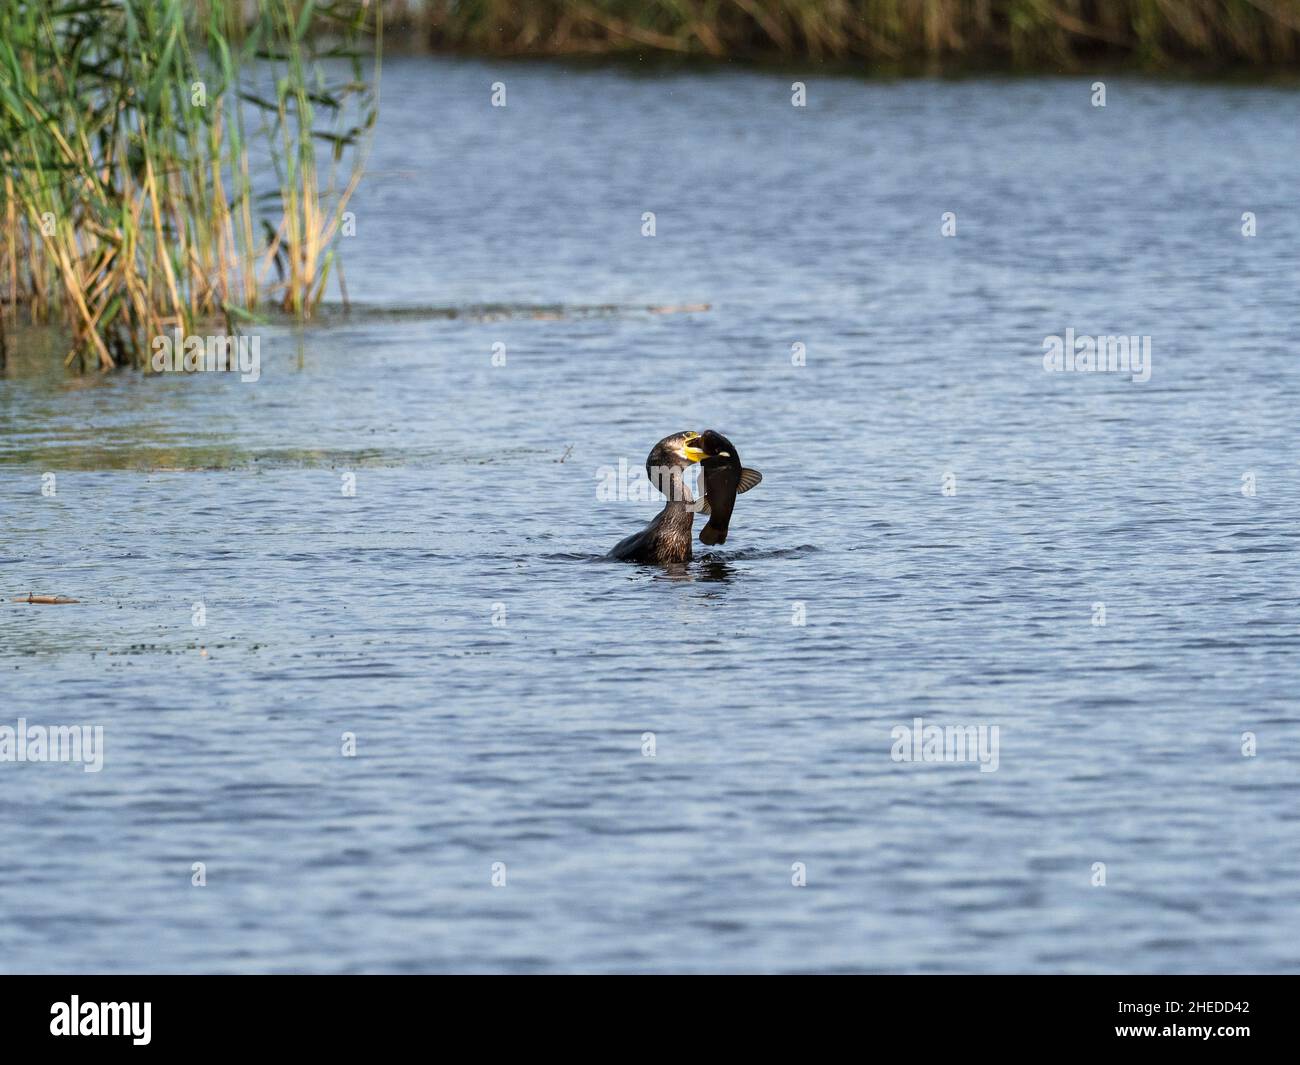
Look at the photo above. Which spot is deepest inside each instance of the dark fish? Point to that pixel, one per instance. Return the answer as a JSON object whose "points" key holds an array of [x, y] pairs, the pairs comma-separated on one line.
{"points": [[722, 478]]}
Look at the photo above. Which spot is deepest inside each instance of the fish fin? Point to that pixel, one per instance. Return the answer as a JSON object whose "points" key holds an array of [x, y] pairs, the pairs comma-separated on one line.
{"points": [[701, 505], [748, 479]]}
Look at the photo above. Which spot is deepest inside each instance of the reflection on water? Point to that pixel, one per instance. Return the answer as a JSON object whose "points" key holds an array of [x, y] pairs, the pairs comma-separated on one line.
{"points": [[714, 569], [394, 538], [700, 569]]}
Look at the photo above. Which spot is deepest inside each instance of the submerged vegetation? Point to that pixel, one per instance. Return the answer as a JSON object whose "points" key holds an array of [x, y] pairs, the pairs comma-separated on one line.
{"points": [[1038, 33], [165, 163]]}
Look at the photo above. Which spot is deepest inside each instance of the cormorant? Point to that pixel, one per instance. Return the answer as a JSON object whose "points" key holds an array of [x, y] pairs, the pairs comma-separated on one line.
{"points": [[668, 537]]}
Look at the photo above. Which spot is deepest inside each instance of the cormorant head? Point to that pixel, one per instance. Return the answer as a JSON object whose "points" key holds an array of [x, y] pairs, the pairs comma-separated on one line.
{"points": [[680, 450], [673, 452]]}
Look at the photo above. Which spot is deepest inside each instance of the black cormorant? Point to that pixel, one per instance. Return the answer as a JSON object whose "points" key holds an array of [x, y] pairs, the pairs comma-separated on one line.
{"points": [[668, 537]]}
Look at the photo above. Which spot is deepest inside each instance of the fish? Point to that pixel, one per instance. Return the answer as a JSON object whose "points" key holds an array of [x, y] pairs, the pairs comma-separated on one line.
{"points": [[722, 478]]}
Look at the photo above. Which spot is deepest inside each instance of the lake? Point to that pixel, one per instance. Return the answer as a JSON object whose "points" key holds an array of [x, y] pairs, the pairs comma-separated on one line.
{"points": [[564, 764]]}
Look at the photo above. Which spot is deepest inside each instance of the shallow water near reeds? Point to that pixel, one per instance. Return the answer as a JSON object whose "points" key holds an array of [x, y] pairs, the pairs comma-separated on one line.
{"points": [[521, 742]]}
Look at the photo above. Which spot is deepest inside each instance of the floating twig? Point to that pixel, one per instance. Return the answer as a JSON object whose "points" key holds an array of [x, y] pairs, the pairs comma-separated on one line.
{"points": [[679, 308], [51, 599]]}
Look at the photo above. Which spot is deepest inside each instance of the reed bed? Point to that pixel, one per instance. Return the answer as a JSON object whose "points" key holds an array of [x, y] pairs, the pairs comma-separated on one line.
{"points": [[1034, 33], [165, 164]]}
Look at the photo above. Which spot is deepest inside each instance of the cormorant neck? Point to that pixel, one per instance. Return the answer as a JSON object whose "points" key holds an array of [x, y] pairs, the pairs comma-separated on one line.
{"points": [[679, 496]]}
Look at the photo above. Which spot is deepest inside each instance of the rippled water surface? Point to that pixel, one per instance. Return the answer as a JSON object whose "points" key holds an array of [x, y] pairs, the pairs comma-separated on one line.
{"points": [[475, 498]]}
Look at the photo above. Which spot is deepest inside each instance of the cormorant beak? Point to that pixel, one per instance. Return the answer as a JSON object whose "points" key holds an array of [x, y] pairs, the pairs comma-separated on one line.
{"points": [[689, 451]]}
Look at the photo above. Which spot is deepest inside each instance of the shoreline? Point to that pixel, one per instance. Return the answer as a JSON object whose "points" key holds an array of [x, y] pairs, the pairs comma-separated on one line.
{"points": [[1239, 72], [906, 35]]}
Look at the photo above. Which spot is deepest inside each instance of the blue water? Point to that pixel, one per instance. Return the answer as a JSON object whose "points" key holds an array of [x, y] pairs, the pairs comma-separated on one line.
{"points": [[521, 741]]}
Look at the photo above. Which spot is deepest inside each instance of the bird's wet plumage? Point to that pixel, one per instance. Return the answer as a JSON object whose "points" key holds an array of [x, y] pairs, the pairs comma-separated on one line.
{"points": [[667, 538]]}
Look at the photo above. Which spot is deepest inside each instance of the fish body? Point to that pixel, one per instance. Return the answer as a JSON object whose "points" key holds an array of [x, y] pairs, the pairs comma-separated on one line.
{"points": [[722, 477]]}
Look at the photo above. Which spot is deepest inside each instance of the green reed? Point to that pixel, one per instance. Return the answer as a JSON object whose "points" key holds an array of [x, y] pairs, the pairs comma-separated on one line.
{"points": [[165, 163]]}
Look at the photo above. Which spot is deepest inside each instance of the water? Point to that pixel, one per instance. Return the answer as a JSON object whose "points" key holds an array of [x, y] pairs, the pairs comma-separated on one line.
{"points": [[475, 486]]}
